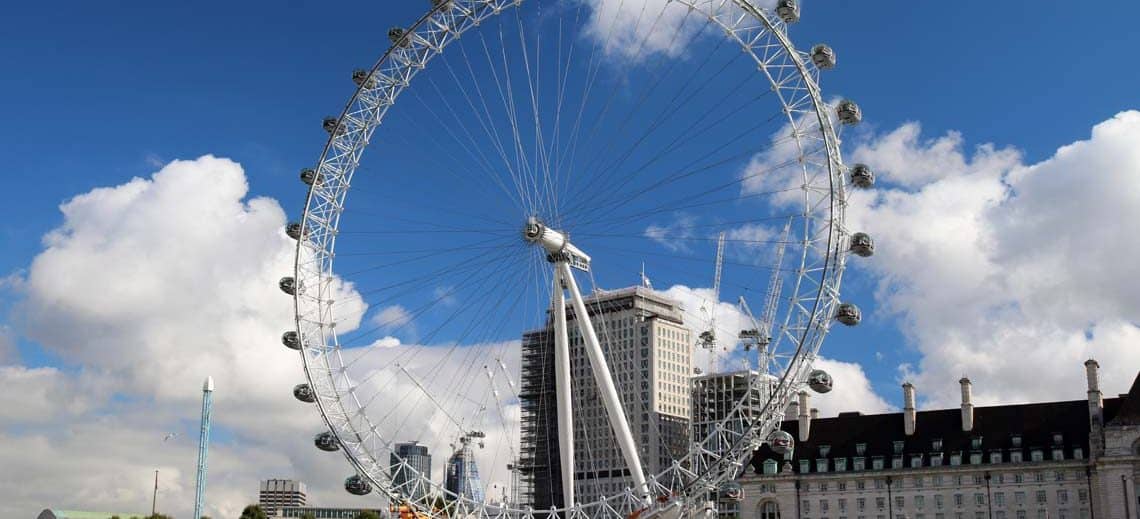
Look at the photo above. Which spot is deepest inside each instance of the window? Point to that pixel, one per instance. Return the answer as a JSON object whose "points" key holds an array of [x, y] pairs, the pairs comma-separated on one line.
{"points": [[769, 510], [975, 458], [1061, 475], [858, 464], [1021, 514], [995, 457], [938, 502], [1058, 454], [958, 500], [806, 508], [1062, 497], [936, 444], [956, 459], [823, 486], [1039, 477], [821, 465], [880, 484], [978, 479], [842, 486], [805, 466], [1036, 455], [842, 503], [1042, 514], [860, 485], [916, 461], [1019, 498], [1058, 439], [979, 498], [824, 450], [1019, 478], [860, 448], [898, 446], [897, 462], [1041, 497], [900, 501], [1015, 440], [979, 515], [841, 464], [823, 505], [999, 498], [881, 503], [1078, 453], [861, 504], [919, 482], [937, 480], [1083, 495], [771, 467], [976, 442], [1015, 456], [877, 463], [936, 459], [1000, 514], [919, 501]]}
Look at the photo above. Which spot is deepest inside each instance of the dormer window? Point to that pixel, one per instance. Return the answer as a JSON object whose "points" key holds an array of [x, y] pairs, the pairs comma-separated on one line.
{"points": [[898, 447], [1058, 439], [824, 450], [937, 444], [860, 448], [976, 442], [1015, 440]]}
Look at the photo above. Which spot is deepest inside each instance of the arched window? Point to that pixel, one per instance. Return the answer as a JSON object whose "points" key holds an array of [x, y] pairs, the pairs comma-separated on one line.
{"points": [[769, 510]]}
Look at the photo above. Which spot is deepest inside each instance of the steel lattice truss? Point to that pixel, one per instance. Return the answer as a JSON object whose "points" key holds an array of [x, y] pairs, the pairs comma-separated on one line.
{"points": [[712, 460]]}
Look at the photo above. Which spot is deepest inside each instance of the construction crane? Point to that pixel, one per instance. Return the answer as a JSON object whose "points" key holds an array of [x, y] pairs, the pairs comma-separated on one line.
{"points": [[707, 338], [761, 335]]}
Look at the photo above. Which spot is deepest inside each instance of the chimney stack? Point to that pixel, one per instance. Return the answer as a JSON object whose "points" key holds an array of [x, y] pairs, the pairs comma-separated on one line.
{"points": [[910, 413], [805, 418], [814, 413], [793, 411], [967, 405], [1096, 409]]}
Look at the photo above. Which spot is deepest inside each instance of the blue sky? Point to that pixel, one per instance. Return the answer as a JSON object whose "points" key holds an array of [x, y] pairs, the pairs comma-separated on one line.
{"points": [[98, 95]]}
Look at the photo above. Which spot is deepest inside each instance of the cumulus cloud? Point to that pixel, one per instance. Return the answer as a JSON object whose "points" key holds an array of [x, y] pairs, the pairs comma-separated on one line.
{"points": [[144, 290], [1009, 272]]}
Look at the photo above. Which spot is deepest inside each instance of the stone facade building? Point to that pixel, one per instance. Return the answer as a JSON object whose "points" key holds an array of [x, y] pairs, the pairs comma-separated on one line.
{"points": [[1076, 459]]}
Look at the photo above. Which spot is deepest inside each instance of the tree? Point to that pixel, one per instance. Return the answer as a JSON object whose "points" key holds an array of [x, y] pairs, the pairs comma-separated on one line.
{"points": [[253, 512], [367, 514], [308, 515]]}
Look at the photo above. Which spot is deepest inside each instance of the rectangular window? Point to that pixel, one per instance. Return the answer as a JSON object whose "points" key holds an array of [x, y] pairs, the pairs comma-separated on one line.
{"points": [[841, 464], [881, 503], [861, 504], [955, 459], [897, 462], [916, 461], [1078, 453], [806, 506], [821, 465], [936, 444], [1058, 454], [920, 501], [823, 486], [877, 463], [858, 464], [1015, 440], [979, 498], [842, 486], [1019, 478], [823, 505], [1015, 456], [880, 484], [1036, 455], [936, 459], [805, 466], [975, 458], [958, 499], [860, 485], [1083, 495], [976, 442], [1041, 497], [898, 446], [900, 501], [938, 501], [979, 515], [1000, 514], [995, 457], [999, 498], [919, 482], [1019, 498], [842, 503], [1021, 514], [860, 448], [824, 450], [1062, 497]]}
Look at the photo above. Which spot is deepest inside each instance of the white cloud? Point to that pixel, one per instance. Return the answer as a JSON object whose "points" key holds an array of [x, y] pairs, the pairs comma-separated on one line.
{"points": [[144, 290], [391, 317], [853, 391], [676, 235], [8, 351], [1010, 273]]}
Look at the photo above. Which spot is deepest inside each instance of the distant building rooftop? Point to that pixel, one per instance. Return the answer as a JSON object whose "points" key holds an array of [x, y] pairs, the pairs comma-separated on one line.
{"points": [[78, 514]]}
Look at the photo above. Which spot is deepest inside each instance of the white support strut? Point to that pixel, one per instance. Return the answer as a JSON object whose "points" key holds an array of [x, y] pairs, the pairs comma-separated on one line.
{"points": [[605, 382], [562, 383]]}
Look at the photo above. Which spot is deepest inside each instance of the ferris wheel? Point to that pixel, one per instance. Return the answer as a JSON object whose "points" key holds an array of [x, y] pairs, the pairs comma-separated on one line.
{"points": [[478, 349]]}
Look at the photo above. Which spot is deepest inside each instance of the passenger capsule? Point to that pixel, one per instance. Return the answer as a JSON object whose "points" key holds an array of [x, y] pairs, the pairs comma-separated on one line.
{"points": [[291, 340], [330, 125], [788, 10], [819, 381], [357, 486], [849, 112], [823, 56], [295, 230], [398, 36], [289, 285], [862, 177], [304, 393], [309, 176], [326, 441], [848, 314], [732, 491], [862, 244], [362, 78], [781, 442]]}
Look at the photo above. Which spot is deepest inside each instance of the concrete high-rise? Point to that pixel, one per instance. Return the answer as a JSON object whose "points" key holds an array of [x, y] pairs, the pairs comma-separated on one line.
{"points": [[649, 353], [277, 493]]}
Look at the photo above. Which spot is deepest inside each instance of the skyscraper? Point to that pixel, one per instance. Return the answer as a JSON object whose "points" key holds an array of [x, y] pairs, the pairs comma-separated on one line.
{"points": [[649, 352], [411, 455], [462, 476]]}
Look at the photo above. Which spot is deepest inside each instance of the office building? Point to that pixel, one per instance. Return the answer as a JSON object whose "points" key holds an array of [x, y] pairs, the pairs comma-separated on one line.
{"points": [[413, 484], [649, 352], [277, 493]]}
